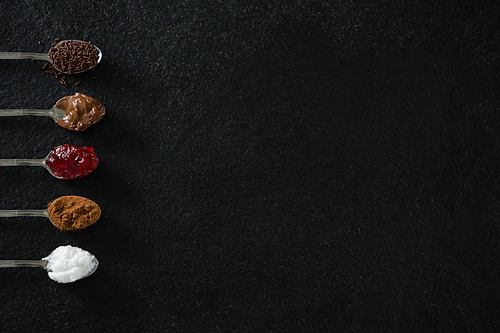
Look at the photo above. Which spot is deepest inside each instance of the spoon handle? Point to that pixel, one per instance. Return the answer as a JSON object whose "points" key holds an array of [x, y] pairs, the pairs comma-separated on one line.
{"points": [[25, 55], [23, 263], [17, 161], [27, 212], [24, 112]]}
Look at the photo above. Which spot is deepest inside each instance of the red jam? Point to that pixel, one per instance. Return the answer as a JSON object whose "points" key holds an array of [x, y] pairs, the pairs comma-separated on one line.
{"points": [[69, 162]]}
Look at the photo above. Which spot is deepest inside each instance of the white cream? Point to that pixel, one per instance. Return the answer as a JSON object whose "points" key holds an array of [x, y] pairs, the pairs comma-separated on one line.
{"points": [[67, 264]]}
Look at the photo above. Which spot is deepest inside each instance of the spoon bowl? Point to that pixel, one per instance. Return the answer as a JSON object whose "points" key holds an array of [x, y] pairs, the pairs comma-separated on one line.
{"points": [[99, 56], [72, 260]]}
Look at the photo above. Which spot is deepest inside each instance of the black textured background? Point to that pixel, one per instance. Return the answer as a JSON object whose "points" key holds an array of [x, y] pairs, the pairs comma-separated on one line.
{"points": [[288, 166]]}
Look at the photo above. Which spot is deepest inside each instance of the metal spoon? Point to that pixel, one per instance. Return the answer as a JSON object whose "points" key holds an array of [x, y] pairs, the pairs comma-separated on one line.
{"points": [[41, 263], [43, 162], [27, 212], [55, 113], [28, 162], [45, 56], [55, 207]]}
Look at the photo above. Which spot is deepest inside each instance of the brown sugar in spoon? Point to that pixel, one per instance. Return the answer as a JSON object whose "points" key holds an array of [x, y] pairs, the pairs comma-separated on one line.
{"points": [[67, 213]]}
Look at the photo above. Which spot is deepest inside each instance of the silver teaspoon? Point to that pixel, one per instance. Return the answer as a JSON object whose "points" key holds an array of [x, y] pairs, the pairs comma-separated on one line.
{"points": [[46, 57], [61, 270], [27, 212], [75, 113], [63, 162], [27, 162], [55, 113], [59, 214]]}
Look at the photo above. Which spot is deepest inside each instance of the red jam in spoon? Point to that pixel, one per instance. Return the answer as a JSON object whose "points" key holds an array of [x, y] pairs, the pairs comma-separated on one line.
{"points": [[69, 162]]}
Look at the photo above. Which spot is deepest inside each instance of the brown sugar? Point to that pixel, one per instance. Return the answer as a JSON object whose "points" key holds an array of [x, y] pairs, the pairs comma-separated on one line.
{"points": [[69, 213]]}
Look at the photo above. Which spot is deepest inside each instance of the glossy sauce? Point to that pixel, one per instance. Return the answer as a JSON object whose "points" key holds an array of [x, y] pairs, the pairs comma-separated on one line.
{"points": [[81, 111], [70, 162]]}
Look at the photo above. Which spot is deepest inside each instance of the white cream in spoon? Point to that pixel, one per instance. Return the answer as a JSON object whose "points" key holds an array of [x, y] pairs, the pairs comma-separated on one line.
{"points": [[67, 264]]}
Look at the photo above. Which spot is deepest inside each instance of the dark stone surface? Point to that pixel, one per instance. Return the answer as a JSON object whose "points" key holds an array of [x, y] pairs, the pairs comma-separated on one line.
{"points": [[291, 166]]}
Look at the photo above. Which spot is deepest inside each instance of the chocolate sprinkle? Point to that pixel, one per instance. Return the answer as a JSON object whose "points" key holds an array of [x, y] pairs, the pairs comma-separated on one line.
{"points": [[73, 56]]}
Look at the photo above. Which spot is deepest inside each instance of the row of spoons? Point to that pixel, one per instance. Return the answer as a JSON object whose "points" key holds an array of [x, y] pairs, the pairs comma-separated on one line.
{"points": [[64, 162]]}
